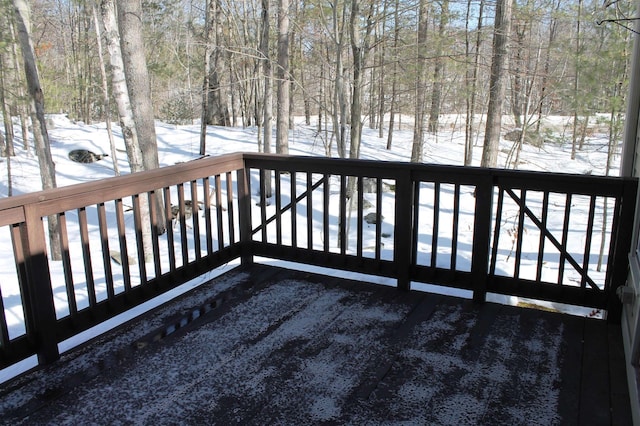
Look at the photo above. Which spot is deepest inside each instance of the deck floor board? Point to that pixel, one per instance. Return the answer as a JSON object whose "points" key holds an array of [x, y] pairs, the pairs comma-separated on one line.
{"points": [[290, 347]]}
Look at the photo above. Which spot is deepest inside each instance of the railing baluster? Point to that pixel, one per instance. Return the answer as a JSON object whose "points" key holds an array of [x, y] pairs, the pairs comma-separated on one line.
{"points": [[326, 190], [206, 188], [263, 202], [342, 222], [540, 260], [168, 211], [66, 264], [360, 190], [378, 218], [219, 212], [565, 237], [230, 211], [455, 225], [195, 209], [436, 223], [86, 256], [587, 243], [183, 225], [520, 234], [106, 259], [496, 230], [155, 245], [294, 211], [122, 239], [137, 215], [278, 197], [309, 211]]}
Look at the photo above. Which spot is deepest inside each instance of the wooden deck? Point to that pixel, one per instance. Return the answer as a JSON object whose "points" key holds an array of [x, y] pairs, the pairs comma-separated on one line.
{"points": [[273, 346]]}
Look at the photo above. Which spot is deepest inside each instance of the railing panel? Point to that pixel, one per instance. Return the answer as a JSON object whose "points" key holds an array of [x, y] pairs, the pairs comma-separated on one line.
{"points": [[553, 237], [123, 242]]}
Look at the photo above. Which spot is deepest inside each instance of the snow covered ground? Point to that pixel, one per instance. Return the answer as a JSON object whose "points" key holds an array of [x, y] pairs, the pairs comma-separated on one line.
{"points": [[177, 144]]}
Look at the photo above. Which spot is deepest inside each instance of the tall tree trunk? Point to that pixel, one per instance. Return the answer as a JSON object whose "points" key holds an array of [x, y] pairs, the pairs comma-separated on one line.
{"points": [[471, 82], [137, 77], [105, 92], [418, 128], [217, 109], [518, 73], [576, 85], [268, 90], [339, 102], [282, 119], [125, 111], [438, 70], [40, 134], [8, 150], [394, 83], [208, 49], [496, 85], [553, 27]]}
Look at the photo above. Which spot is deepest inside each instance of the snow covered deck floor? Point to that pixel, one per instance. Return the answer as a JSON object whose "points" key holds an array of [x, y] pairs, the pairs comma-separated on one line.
{"points": [[272, 346]]}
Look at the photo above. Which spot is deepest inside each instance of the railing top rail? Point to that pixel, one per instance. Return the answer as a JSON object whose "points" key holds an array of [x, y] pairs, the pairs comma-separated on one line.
{"points": [[83, 194], [530, 180]]}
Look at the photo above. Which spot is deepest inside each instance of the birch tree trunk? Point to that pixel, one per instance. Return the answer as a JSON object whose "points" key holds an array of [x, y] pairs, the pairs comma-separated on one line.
{"points": [[496, 84], [137, 78], [105, 92], [125, 111], [282, 120], [40, 134]]}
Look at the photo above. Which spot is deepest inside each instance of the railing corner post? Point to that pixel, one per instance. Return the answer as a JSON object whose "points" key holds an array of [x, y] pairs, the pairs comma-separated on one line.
{"points": [[244, 215], [403, 233], [37, 292], [481, 237]]}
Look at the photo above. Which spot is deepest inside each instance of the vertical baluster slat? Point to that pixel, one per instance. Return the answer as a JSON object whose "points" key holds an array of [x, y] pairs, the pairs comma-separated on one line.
{"points": [[309, 210], [230, 211], [106, 259], [168, 211], [496, 232], [587, 243], [219, 212], [541, 244], [378, 218], [436, 224], [86, 256], [359, 237], [195, 210], [520, 233], [66, 265], [455, 226], [122, 240], [206, 190], [565, 238]]}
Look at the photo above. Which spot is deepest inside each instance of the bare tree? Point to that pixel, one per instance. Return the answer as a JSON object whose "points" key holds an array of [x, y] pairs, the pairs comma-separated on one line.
{"points": [[106, 102], [268, 90], [421, 78], [438, 69], [282, 119], [40, 133], [496, 86], [137, 76]]}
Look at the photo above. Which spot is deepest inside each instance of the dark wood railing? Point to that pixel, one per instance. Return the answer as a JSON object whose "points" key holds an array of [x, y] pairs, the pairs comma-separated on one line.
{"points": [[562, 238]]}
